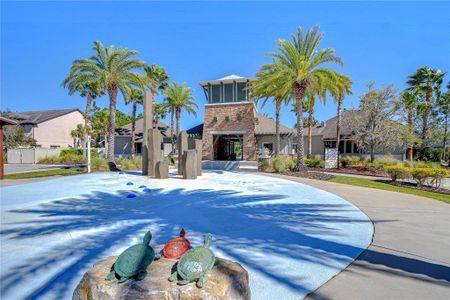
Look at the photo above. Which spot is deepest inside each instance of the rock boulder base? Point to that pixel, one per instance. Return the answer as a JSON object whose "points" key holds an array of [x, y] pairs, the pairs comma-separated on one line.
{"points": [[227, 281]]}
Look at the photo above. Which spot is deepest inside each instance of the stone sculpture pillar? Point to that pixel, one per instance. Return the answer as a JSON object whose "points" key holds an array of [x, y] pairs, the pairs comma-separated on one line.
{"points": [[148, 124], [154, 140], [182, 144], [161, 170], [189, 164], [198, 148]]}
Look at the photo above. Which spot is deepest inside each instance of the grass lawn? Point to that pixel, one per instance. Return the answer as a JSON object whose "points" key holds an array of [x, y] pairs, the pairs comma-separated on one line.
{"points": [[370, 183], [36, 174]]}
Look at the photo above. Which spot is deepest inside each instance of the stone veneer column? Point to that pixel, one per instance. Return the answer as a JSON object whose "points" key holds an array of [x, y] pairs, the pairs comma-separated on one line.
{"points": [[230, 117]]}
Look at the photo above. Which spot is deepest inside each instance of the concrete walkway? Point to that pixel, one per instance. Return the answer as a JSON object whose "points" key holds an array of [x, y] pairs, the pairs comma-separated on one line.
{"points": [[409, 257]]}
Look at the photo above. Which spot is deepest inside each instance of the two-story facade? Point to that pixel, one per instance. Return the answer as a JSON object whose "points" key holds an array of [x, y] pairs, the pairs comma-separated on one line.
{"points": [[232, 128]]}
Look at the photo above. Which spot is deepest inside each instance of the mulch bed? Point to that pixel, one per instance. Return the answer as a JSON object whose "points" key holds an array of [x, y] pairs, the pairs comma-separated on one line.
{"points": [[357, 170], [414, 186], [310, 175]]}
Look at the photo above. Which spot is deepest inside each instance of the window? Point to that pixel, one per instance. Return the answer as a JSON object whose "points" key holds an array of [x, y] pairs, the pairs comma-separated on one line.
{"points": [[215, 93], [241, 92], [348, 147], [228, 95], [268, 146]]}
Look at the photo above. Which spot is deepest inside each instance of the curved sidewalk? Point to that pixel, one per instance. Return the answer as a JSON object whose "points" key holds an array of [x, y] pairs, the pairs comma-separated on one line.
{"points": [[409, 257]]}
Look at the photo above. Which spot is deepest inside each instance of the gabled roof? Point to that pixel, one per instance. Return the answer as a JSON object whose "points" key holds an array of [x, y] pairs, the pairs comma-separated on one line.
{"points": [[265, 125], [7, 121], [126, 130], [226, 79], [40, 116]]}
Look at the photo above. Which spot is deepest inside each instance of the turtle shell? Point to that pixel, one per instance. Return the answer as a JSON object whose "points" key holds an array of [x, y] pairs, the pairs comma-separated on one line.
{"points": [[195, 263], [176, 247], [133, 260]]}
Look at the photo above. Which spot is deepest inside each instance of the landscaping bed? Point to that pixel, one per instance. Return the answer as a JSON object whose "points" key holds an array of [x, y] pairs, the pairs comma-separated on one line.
{"points": [[310, 175], [417, 187], [357, 170]]}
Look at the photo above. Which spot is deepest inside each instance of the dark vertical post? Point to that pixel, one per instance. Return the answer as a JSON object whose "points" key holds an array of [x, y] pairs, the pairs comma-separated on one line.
{"points": [[1, 151]]}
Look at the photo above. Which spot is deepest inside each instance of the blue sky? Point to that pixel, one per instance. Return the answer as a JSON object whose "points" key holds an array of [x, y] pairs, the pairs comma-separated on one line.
{"points": [[196, 41]]}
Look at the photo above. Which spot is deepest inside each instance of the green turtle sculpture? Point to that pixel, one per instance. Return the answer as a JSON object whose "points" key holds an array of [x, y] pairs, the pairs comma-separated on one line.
{"points": [[133, 262], [195, 264]]}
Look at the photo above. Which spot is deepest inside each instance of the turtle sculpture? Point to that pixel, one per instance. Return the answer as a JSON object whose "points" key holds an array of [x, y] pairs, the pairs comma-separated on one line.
{"points": [[195, 264], [133, 262], [176, 247]]}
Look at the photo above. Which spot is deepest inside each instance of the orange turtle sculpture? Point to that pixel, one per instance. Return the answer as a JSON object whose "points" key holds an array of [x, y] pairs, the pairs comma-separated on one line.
{"points": [[176, 247]]}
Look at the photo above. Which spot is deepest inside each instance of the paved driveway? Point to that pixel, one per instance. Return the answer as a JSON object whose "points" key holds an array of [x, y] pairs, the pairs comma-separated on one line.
{"points": [[409, 257]]}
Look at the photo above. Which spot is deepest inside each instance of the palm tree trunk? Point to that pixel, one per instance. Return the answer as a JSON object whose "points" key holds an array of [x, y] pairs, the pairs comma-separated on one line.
{"points": [[178, 116], [338, 126], [409, 151], [277, 128], [444, 142], [299, 91], [372, 153], [87, 116], [112, 91], [172, 121], [310, 121], [426, 116], [133, 129]]}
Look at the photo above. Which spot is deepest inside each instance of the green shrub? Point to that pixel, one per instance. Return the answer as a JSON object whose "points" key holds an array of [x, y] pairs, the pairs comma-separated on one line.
{"points": [[387, 160], [76, 151], [169, 161], [125, 163], [99, 164], [420, 175], [398, 172], [282, 163], [49, 160], [315, 162], [437, 175], [72, 159], [351, 161], [265, 165], [137, 162]]}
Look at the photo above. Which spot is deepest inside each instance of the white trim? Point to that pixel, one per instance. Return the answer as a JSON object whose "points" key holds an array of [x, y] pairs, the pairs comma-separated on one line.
{"points": [[227, 132], [230, 103]]}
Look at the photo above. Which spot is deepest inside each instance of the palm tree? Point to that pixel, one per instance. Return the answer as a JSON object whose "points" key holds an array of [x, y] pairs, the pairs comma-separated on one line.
{"points": [[136, 97], [77, 134], [179, 98], [341, 88], [113, 68], [409, 101], [302, 68], [265, 87], [86, 86], [159, 112], [425, 81], [311, 93]]}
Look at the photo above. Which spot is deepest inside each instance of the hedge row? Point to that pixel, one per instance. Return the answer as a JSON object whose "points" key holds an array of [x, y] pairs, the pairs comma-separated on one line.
{"points": [[421, 176]]}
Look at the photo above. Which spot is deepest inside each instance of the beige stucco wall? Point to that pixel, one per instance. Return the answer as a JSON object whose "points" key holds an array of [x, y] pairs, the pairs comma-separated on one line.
{"points": [[56, 132], [284, 143]]}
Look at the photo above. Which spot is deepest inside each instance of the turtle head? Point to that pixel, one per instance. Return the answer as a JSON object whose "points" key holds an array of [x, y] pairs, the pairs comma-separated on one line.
{"points": [[147, 237], [208, 240], [182, 232]]}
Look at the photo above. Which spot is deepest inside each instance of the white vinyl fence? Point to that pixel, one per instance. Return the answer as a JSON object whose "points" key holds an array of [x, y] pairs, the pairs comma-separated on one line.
{"points": [[30, 156]]}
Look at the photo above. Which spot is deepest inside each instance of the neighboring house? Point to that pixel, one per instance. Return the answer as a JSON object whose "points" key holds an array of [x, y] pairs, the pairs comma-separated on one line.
{"points": [[50, 128], [122, 141]]}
